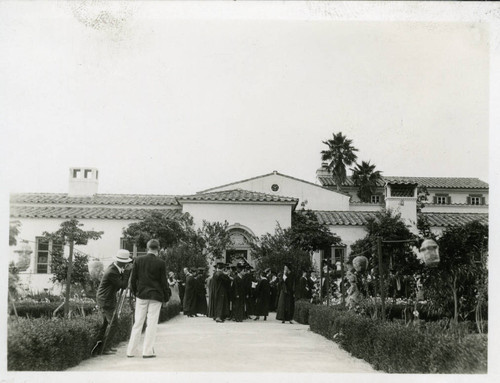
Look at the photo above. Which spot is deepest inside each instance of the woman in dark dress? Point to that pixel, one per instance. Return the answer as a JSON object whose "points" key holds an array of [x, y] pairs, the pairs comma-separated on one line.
{"points": [[262, 297], [286, 301]]}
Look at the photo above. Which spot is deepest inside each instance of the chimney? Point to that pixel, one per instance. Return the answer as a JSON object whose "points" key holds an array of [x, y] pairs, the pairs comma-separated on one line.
{"points": [[323, 170], [83, 182]]}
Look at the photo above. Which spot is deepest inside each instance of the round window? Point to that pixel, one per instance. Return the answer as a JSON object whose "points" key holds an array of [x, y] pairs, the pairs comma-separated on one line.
{"points": [[275, 187]]}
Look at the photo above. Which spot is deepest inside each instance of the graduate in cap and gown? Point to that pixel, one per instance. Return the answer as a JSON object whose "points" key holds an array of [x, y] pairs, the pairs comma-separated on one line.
{"points": [[262, 296], [286, 302], [201, 293], [189, 303], [222, 285], [238, 291]]}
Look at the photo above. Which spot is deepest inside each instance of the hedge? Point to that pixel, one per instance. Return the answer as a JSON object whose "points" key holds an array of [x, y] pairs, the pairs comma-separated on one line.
{"points": [[397, 348], [44, 344], [45, 309]]}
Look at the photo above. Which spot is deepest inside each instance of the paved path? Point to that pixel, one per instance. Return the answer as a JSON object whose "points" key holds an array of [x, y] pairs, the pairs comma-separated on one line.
{"points": [[202, 345]]}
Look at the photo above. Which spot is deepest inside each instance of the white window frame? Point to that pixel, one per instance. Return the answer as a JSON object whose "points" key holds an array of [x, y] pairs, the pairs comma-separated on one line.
{"points": [[475, 200], [376, 198], [441, 200], [47, 252]]}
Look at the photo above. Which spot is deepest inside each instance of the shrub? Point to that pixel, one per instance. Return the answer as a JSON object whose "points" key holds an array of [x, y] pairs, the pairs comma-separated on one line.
{"points": [[45, 309], [171, 310], [395, 347], [44, 344], [301, 313]]}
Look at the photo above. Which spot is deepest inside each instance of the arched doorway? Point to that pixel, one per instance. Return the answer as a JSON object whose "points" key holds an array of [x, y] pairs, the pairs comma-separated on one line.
{"points": [[240, 248]]}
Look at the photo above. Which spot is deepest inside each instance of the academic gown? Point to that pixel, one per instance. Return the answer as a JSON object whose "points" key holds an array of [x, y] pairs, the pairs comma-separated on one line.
{"points": [[211, 298], [190, 296], [222, 284], [262, 298], [286, 304], [238, 291], [201, 298]]}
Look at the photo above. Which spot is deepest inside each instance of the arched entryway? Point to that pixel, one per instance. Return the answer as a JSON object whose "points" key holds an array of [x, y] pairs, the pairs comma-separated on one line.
{"points": [[240, 248]]}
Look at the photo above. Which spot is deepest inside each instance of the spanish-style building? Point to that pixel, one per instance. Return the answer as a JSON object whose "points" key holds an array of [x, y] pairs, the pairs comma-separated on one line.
{"points": [[252, 207]]}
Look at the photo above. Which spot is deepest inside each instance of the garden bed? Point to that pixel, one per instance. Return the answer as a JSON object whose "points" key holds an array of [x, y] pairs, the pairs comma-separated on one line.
{"points": [[398, 348], [55, 344]]}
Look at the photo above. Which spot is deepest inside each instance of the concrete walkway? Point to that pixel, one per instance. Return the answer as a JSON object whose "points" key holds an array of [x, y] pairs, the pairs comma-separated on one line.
{"points": [[202, 345]]}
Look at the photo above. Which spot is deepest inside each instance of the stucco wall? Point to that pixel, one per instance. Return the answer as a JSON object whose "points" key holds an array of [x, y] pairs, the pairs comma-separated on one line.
{"points": [[260, 218], [103, 248], [317, 197]]}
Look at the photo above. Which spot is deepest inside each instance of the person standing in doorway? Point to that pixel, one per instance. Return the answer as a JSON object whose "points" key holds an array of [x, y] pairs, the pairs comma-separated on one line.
{"points": [[150, 286]]}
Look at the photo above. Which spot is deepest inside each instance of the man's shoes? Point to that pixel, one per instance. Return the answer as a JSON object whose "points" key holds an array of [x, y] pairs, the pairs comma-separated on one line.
{"points": [[256, 318], [149, 356], [130, 356]]}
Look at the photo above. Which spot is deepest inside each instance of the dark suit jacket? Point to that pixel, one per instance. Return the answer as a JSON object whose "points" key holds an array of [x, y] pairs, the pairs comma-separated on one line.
{"points": [[149, 278], [111, 282]]}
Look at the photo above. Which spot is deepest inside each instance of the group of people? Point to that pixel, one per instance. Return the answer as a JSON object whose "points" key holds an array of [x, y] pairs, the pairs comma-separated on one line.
{"points": [[237, 293], [234, 293]]}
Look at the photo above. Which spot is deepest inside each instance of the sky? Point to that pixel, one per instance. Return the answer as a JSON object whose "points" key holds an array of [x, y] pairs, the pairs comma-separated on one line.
{"points": [[174, 98], [166, 100]]}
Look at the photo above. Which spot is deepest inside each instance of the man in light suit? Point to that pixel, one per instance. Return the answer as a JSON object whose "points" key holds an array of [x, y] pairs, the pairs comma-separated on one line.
{"points": [[150, 286]]}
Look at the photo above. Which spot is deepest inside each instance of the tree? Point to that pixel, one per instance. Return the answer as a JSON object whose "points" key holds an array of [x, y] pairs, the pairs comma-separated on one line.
{"points": [[274, 250], [216, 238], [13, 232], [157, 225], [399, 262], [60, 265], [71, 234], [460, 279], [366, 178], [340, 154], [308, 234]]}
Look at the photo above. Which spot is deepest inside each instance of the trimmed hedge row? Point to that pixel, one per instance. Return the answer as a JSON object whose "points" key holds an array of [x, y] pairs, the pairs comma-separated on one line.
{"points": [[44, 344], [396, 348], [45, 309], [171, 310]]}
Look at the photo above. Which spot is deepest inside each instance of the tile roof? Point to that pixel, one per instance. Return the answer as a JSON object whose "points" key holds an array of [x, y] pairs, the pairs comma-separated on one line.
{"points": [[238, 195], [350, 218], [97, 199], [430, 182], [85, 212], [455, 219], [359, 218]]}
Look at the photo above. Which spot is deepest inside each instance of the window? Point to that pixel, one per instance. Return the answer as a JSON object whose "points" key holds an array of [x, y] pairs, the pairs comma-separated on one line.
{"points": [[442, 199], [76, 173], [476, 199], [88, 173], [376, 199], [44, 249], [124, 244]]}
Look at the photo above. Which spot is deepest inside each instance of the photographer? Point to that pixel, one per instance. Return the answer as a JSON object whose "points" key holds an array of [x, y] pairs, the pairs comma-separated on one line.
{"points": [[115, 277]]}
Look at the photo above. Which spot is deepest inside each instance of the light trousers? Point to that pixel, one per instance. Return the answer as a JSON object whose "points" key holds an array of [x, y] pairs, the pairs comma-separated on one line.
{"points": [[150, 309]]}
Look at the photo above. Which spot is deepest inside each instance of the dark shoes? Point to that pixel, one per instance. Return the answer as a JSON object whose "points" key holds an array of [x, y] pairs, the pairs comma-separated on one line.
{"points": [[149, 356]]}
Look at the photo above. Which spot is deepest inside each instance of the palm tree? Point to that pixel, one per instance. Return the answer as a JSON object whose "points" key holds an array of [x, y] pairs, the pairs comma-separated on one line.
{"points": [[340, 154], [366, 177]]}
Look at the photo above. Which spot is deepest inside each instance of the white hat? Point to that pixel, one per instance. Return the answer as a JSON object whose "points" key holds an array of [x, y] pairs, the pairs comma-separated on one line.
{"points": [[123, 256]]}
